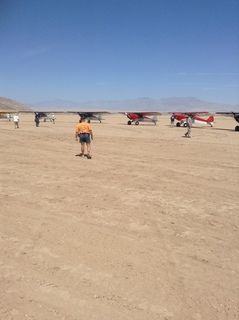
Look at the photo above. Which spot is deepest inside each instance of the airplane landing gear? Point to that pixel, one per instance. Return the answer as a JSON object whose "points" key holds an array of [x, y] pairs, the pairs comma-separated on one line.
{"points": [[237, 128], [129, 122], [178, 124], [136, 123]]}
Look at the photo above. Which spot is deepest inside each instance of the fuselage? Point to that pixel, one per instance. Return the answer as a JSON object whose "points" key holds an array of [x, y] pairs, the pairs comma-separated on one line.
{"points": [[134, 117], [183, 118]]}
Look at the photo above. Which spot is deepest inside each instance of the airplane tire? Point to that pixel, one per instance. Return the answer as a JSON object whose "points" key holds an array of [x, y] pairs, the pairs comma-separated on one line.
{"points": [[178, 124], [44, 120], [88, 121], [185, 125], [237, 128], [136, 123], [129, 122]]}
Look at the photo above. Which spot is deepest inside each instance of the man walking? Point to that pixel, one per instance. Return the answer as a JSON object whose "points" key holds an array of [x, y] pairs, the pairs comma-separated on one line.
{"points": [[189, 125], [84, 134], [16, 121]]}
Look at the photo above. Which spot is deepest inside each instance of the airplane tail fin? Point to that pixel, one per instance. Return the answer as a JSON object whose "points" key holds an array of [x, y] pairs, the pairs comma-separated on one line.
{"points": [[155, 118], [210, 120]]}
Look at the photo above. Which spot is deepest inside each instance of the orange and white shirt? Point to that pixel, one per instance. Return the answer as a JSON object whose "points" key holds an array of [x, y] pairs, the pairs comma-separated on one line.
{"points": [[83, 127]]}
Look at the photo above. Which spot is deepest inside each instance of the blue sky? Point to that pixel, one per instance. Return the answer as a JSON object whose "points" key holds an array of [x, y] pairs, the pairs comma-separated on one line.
{"points": [[86, 50]]}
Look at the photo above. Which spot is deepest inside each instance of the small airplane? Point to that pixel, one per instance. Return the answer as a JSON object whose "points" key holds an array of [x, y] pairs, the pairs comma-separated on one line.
{"points": [[91, 115], [7, 114], [182, 118], [45, 116], [137, 117], [234, 114]]}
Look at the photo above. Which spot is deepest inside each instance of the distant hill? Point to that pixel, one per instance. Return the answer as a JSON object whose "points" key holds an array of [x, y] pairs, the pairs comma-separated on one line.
{"points": [[8, 104], [141, 104], [163, 105]]}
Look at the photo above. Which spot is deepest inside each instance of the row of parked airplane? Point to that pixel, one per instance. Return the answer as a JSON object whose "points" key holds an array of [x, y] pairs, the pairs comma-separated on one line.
{"points": [[136, 117]]}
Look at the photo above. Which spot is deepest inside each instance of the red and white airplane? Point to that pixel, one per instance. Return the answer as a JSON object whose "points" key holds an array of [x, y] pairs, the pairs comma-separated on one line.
{"points": [[137, 117], [181, 117]]}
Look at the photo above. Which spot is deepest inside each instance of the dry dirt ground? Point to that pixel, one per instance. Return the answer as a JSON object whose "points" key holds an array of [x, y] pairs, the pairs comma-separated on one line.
{"points": [[147, 229]]}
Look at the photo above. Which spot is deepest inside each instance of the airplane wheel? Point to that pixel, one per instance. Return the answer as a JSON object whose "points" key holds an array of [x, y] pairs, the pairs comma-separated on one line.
{"points": [[129, 122], [178, 124], [44, 120], [88, 121], [237, 128], [185, 125], [136, 123]]}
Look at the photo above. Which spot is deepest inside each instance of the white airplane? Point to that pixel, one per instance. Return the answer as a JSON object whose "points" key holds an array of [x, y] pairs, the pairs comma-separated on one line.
{"points": [[46, 116]]}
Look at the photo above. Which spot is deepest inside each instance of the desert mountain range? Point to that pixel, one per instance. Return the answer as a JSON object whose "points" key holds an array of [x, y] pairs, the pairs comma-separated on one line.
{"points": [[11, 105], [163, 105]]}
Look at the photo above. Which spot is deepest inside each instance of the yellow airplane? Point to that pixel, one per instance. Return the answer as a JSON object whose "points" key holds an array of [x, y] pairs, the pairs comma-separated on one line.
{"points": [[7, 114]]}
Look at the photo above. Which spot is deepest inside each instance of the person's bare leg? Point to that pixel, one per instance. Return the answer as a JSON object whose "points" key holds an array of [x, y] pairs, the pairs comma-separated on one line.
{"points": [[88, 148], [82, 148]]}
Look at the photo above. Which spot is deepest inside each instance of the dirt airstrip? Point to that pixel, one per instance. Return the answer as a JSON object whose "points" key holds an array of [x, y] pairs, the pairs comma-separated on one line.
{"points": [[147, 229]]}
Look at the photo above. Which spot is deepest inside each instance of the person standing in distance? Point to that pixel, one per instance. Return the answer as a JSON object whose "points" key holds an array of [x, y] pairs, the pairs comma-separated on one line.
{"points": [[189, 125], [172, 118], [37, 119], [16, 121], [84, 133]]}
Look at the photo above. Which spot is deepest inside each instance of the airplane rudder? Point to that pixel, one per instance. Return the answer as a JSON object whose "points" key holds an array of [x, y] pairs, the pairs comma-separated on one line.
{"points": [[210, 119]]}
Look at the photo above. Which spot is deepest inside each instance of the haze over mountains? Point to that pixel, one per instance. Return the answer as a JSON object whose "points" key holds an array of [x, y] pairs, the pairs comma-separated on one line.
{"points": [[163, 105], [140, 104]]}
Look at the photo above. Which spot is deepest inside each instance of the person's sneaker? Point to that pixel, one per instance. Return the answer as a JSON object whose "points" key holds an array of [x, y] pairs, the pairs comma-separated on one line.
{"points": [[88, 156]]}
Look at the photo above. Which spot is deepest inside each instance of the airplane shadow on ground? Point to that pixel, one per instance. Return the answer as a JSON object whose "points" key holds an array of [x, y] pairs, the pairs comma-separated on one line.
{"points": [[185, 128], [91, 123], [222, 129], [203, 127], [141, 124]]}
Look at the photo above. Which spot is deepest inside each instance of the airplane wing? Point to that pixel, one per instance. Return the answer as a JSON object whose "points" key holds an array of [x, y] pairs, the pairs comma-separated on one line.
{"points": [[41, 111], [49, 111], [194, 113], [89, 112], [9, 111], [228, 113], [144, 113]]}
